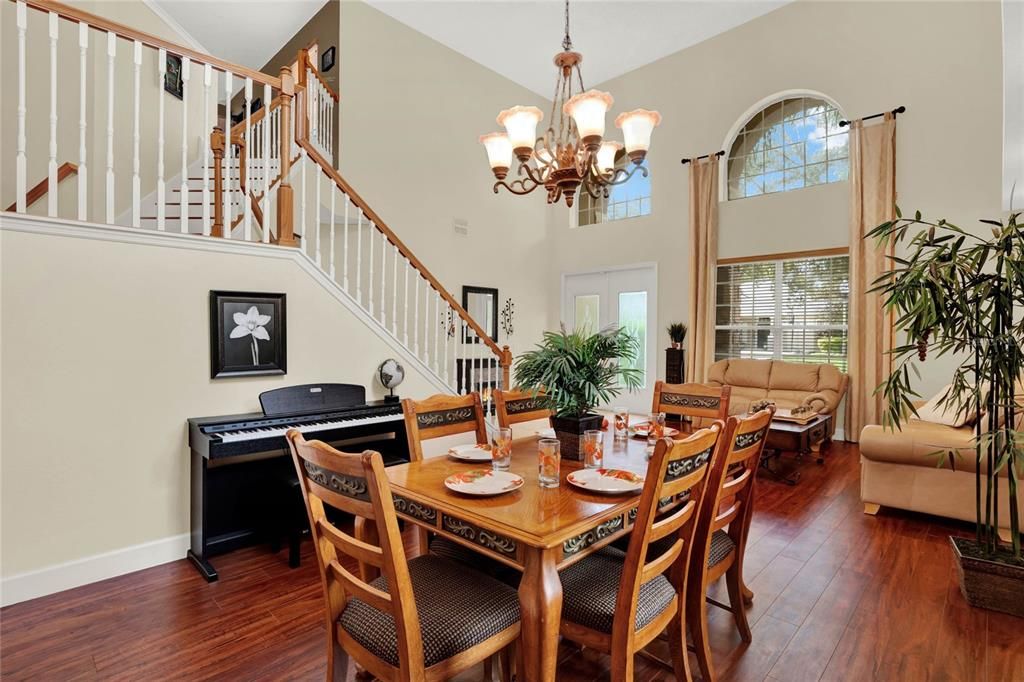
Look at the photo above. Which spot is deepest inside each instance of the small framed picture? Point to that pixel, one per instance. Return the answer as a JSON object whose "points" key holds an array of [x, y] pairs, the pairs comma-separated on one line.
{"points": [[247, 334], [172, 79], [327, 60]]}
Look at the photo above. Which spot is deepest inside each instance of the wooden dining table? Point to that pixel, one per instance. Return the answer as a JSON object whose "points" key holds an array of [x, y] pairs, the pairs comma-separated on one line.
{"points": [[536, 530]]}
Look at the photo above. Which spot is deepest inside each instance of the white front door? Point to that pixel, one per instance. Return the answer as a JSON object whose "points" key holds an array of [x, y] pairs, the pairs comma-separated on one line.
{"points": [[624, 297]]}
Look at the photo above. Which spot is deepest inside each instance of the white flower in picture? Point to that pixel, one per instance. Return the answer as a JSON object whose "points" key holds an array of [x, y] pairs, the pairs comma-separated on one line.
{"points": [[253, 325]]}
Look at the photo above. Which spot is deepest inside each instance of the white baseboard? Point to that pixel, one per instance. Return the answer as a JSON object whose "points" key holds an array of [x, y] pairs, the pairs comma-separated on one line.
{"points": [[59, 577]]}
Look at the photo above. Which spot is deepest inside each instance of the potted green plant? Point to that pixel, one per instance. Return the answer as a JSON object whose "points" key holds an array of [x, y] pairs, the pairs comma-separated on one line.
{"points": [[677, 334], [953, 293], [573, 373]]}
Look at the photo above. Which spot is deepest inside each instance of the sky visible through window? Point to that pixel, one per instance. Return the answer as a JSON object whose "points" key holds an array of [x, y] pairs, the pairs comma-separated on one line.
{"points": [[631, 199]]}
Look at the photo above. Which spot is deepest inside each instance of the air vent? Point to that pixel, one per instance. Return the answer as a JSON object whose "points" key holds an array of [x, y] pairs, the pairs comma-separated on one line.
{"points": [[461, 226]]}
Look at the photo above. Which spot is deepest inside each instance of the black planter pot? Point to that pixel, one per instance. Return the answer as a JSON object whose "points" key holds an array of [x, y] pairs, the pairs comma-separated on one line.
{"points": [[568, 430], [989, 584]]}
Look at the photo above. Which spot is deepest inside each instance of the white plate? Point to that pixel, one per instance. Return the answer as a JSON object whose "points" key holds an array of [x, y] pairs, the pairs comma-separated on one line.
{"points": [[640, 430], [613, 481], [546, 433], [471, 453], [483, 482]]}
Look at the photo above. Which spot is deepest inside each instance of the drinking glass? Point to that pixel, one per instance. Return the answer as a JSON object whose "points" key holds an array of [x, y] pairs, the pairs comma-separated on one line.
{"points": [[593, 449], [501, 448], [656, 427], [548, 460], [621, 423]]}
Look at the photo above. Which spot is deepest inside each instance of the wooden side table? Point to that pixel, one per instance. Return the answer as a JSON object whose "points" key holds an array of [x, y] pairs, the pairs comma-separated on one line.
{"points": [[784, 436]]}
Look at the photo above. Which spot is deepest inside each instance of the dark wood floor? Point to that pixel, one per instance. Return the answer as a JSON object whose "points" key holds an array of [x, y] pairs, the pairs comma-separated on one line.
{"points": [[838, 596]]}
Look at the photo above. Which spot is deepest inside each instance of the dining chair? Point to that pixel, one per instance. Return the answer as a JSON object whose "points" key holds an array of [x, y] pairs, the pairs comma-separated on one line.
{"points": [[408, 623], [618, 602], [705, 403], [722, 525], [516, 407]]}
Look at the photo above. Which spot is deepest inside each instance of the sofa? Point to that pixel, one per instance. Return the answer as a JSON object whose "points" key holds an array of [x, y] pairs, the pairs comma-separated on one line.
{"points": [[788, 384], [899, 470]]}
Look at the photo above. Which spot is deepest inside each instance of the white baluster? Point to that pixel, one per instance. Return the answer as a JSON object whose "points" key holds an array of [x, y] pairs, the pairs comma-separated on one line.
{"points": [[315, 237], [437, 328], [330, 257], [447, 316], [416, 318], [186, 74], [83, 184], [51, 195], [265, 180], [394, 293], [359, 257], [426, 324], [405, 304], [205, 144], [246, 208], [22, 21], [136, 135], [369, 280], [303, 222], [111, 53], [344, 252], [227, 157], [161, 199], [312, 108], [383, 274], [466, 365]]}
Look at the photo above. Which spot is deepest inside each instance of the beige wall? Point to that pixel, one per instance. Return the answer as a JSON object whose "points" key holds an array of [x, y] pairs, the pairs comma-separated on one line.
{"points": [[411, 113], [867, 57], [102, 366]]}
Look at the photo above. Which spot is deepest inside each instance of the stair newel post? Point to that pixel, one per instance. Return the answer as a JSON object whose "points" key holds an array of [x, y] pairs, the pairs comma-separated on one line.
{"points": [[506, 368], [285, 197], [217, 147]]}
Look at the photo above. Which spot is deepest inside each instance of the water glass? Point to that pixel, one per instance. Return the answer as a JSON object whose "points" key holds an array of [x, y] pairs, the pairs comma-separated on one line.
{"points": [[501, 448], [593, 449], [655, 427], [549, 457], [621, 423]]}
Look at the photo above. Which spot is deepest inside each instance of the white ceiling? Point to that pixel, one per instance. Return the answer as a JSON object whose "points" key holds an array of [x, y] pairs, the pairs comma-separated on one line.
{"points": [[519, 38], [248, 33]]}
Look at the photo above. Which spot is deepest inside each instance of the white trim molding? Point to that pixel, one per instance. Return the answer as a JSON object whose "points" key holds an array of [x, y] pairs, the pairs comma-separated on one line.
{"points": [[59, 577]]}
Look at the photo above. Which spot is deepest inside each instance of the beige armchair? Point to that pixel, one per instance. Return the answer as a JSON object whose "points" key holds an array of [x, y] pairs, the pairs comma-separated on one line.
{"points": [[788, 384]]}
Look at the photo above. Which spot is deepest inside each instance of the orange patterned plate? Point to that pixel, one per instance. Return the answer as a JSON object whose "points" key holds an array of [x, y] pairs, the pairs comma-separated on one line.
{"points": [[611, 481], [471, 453], [483, 482], [640, 430]]}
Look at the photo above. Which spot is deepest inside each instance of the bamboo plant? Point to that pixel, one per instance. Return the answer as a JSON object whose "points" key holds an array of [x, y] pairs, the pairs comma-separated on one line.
{"points": [[953, 292]]}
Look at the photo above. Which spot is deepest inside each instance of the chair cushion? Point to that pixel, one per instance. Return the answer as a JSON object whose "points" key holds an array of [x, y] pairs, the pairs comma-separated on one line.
{"points": [[453, 551], [721, 547], [458, 608], [591, 586]]}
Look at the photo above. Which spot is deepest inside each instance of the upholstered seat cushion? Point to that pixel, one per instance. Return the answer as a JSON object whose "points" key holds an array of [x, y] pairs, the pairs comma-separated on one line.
{"points": [[721, 546], [453, 551], [458, 608], [591, 586]]}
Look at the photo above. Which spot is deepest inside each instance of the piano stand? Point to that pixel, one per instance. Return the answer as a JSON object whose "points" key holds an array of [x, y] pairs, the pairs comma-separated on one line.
{"points": [[204, 567]]}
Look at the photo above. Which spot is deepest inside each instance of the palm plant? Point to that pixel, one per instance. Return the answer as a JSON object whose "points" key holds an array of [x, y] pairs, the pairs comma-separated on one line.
{"points": [[572, 373], [677, 332], [954, 293]]}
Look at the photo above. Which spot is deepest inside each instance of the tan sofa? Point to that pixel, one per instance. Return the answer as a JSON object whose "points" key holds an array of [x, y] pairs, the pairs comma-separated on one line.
{"points": [[788, 384], [898, 470]]}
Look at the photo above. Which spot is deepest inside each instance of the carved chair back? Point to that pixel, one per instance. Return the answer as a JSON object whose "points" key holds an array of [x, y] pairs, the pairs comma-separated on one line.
{"points": [[697, 401], [676, 477], [516, 407], [356, 484], [442, 415]]}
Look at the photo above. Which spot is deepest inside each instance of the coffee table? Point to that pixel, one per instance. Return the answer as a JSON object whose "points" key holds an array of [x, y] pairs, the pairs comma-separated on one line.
{"points": [[786, 436]]}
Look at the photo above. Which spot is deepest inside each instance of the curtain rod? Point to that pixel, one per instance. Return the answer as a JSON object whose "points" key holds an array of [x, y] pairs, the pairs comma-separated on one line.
{"points": [[898, 110], [718, 153]]}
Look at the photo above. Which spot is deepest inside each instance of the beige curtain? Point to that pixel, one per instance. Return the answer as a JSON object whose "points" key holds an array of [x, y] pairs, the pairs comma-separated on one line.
{"points": [[703, 257], [872, 202]]}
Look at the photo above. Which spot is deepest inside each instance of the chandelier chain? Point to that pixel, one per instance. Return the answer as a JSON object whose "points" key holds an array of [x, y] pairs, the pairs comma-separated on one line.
{"points": [[567, 41]]}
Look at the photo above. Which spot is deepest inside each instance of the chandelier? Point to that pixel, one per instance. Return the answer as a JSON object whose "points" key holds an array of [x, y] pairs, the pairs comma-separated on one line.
{"points": [[572, 153]]}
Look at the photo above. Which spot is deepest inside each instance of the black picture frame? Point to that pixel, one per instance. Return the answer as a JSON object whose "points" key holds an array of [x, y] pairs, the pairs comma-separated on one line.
{"points": [[327, 60], [172, 78], [248, 352], [491, 325]]}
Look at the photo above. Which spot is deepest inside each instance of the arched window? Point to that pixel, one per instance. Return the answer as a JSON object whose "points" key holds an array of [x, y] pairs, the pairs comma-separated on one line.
{"points": [[793, 143]]}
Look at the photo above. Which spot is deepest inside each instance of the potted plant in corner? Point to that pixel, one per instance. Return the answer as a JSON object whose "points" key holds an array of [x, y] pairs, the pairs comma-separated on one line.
{"points": [[677, 334], [954, 293], [573, 373]]}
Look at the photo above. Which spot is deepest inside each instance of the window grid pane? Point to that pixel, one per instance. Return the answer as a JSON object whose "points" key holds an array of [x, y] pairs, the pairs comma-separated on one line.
{"points": [[794, 310], [791, 144], [631, 199]]}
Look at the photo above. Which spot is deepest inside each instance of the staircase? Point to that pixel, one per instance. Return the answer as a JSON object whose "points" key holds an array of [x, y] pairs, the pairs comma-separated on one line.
{"points": [[269, 179]]}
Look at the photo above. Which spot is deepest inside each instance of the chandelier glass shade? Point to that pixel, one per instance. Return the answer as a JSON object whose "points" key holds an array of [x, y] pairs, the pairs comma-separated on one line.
{"points": [[572, 154]]}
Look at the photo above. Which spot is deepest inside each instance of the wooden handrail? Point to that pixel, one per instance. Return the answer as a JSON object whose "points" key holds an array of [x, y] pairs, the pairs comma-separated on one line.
{"points": [[326, 168], [39, 191], [239, 128], [98, 22], [305, 61]]}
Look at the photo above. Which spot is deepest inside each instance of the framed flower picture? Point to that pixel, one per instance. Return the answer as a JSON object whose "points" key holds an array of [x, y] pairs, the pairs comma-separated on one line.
{"points": [[247, 334]]}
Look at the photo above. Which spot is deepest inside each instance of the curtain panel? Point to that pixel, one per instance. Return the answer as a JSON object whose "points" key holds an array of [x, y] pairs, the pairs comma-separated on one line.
{"points": [[703, 260]]}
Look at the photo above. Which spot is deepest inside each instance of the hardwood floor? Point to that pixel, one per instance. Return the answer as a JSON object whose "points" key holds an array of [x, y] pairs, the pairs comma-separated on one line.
{"points": [[838, 595]]}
